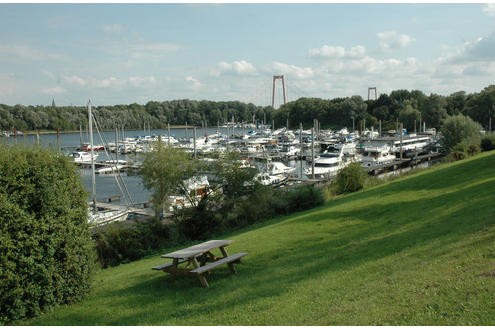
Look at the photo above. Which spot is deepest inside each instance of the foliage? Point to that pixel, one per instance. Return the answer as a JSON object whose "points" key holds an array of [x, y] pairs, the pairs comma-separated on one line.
{"points": [[198, 222], [405, 253], [488, 142], [132, 116], [404, 105], [122, 242], [230, 174], [469, 146], [351, 178], [458, 128], [481, 106], [164, 171], [46, 254], [211, 217]]}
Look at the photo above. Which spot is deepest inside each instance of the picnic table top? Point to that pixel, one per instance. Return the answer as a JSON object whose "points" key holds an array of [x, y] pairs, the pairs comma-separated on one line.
{"points": [[196, 250]]}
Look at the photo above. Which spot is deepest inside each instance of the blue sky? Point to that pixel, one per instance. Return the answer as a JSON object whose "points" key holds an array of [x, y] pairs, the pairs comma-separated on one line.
{"points": [[126, 53]]}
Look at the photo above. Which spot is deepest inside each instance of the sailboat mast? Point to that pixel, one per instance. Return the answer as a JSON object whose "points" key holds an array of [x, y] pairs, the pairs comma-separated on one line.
{"points": [[93, 178]]}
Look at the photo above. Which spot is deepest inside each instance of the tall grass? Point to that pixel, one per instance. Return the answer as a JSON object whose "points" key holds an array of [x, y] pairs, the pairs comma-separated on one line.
{"points": [[409, 252]]}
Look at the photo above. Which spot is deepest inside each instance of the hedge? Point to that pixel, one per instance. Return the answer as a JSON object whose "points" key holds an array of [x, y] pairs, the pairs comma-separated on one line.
{"points": [[46, 254]]}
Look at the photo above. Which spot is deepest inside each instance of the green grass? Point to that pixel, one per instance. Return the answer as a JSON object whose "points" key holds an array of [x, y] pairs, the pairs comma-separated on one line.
{"points": [[409, 252]]}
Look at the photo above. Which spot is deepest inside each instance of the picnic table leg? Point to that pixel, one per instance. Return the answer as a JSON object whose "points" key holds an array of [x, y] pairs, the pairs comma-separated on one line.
{"points": [[202, 278], [173, 273], [231, 265]]}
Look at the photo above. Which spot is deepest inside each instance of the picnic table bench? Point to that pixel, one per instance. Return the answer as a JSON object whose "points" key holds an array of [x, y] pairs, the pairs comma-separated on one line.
{"points": [[200, 260]]}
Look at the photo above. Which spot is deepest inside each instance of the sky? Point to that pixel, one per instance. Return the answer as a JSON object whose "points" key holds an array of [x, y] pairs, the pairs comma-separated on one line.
{"points": [[122, 53]]}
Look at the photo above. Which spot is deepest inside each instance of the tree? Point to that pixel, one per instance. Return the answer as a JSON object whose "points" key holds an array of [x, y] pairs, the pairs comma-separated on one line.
{"points": [[164, 171], [481, 107], [409, 116], [46, 253], [351, 178], [434, 111], [456, 103], [458, 128], [231, 175]]}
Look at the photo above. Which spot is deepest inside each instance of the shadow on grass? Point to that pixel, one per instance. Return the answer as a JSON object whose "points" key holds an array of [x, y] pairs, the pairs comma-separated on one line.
{"points": [[343, 240], [156, 299]]}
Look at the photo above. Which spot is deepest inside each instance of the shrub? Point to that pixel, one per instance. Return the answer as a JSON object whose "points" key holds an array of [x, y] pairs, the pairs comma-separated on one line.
{"points": [[304, 198], [488, 142], [262, 204], [46, 255], [197, 223], [122, 242], [351, 178]]}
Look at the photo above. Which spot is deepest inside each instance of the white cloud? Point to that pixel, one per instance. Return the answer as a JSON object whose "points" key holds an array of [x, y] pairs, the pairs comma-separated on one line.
{"points": [[489, 9], [195, 84], [293, 70], [74, 80], [480, 50], [53, 91], [241, 67], [332, 52], [393, 40]]}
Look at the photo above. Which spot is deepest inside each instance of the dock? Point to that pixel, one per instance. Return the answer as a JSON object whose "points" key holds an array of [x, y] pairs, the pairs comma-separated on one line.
{"points": [[135, 209]]}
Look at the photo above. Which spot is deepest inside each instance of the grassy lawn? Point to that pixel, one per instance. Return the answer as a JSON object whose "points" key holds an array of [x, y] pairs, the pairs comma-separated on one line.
{"points": [[409, 252]]}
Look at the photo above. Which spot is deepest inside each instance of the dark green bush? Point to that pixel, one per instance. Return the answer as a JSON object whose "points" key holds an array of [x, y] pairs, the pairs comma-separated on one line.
{"points": [[262, 204], [303, 198], [351, 178], [46, 255], [122, 242], [488, 142]]}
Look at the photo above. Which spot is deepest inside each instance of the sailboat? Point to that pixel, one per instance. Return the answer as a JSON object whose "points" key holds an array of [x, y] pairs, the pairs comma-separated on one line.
{"points": [[97, 217]]}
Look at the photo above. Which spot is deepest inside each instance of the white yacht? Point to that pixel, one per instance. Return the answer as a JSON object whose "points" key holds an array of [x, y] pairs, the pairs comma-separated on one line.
{"points": [[327, 164], [377, 155], [82, 157], [279, 168]]}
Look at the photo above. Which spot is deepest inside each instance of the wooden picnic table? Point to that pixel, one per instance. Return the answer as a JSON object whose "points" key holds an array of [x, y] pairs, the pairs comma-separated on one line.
{"points": [[199, 260]]}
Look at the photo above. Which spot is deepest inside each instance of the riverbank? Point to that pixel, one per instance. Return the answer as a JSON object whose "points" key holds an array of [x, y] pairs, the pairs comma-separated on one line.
{"points": [[54, 132]]}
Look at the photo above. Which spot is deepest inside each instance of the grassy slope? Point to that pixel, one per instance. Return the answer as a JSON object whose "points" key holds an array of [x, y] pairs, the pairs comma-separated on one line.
{"points": [[410, 252]]}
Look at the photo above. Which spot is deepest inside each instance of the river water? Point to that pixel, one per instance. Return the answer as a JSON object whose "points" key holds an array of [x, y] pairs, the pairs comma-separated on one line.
{"points": [[106, 184]]}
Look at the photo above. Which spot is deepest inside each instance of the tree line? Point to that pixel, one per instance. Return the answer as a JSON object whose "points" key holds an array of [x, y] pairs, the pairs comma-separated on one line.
{"points": [[412, 108]]}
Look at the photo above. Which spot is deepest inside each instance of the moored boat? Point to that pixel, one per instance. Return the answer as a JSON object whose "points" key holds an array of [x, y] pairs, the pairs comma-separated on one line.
{"points": [[81, 157]]}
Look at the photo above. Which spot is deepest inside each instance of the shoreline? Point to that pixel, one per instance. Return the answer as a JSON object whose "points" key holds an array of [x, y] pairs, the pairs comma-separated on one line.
{"points": [[45, 132]]}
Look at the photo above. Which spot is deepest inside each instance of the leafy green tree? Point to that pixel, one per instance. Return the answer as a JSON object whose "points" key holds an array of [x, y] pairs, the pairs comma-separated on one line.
{"points": [[46, 253], [456, 103], [434, 111], [351, 178], [164, 171], [231, 175], [458, 128], [409, 116], [481, 107]]}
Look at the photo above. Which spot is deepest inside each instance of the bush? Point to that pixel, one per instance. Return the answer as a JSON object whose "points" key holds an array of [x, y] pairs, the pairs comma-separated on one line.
{"points": [[304, 198], [264, 203], [198, 223], [122, 242], [351, 178], [488, 142], [46, 255]]}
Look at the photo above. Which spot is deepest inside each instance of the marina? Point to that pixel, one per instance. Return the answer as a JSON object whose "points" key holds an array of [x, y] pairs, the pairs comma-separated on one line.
{"points": [[283, 157]]}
